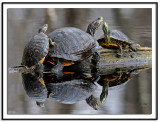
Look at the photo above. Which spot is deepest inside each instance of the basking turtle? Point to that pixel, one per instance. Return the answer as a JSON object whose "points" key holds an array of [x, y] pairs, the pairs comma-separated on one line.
{"points": [[114, 80], [116, 39], [73, 44], [35, 88], [71, 89], [36, 50]]}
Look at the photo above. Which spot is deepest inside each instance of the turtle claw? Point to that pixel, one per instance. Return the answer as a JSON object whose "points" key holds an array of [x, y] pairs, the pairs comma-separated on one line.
{"points": [[119, 55]]}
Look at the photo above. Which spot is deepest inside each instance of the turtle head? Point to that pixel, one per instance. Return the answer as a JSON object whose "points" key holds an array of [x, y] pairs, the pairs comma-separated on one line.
{"points": [[103, 97], [92, 101], [40, 104], [43, 28], [93, 26], [106, 30], [97, 23]]}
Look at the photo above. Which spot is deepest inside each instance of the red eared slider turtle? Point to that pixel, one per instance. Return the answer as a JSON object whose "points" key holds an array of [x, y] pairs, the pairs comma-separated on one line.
{"points": [[35, 88], [73, 44], [115, 38], [37, 49], [69, 90], [115, 80]]}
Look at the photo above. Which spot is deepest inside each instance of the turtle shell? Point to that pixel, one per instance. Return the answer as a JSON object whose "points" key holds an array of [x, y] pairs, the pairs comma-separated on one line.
{"points": [[72, 44], [36, 50], [116, 37], [119, 36], [70, 92], [34, 87]]}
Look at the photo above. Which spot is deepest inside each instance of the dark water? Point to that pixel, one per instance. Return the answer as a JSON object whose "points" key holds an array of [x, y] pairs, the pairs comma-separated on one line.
{"points": [[132, 98]]}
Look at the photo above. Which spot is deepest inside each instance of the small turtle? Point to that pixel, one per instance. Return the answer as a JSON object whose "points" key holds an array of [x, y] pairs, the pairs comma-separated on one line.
{"points": [[35, 88], [71, 89], [36, 50], [73, 44], [116, 39], [114, 80]]}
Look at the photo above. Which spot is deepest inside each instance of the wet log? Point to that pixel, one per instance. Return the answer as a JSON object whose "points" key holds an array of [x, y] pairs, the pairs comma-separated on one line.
{"points": [[109, 62], [140, 59]]}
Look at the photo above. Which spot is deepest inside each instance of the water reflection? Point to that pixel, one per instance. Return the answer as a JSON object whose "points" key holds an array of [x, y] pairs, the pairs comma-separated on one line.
{"points": [[74, 87], [35, 88]]}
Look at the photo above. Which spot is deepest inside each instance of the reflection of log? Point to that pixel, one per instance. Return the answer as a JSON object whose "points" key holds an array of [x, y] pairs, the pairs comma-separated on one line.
{"points": [[142, 58]]}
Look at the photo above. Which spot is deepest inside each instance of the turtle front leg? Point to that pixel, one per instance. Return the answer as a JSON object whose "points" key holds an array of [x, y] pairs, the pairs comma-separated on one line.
{"points": [[119, 53], [52, 43], [96, 58], [58, 69]]}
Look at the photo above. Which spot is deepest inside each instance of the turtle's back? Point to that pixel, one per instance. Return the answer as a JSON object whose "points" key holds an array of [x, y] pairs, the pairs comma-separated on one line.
{"points": [[71, 44], [119, 36], [35, 50]]}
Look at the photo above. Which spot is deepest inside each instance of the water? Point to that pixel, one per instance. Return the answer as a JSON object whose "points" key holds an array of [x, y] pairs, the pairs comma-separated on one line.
{"points": [[132, 98]]}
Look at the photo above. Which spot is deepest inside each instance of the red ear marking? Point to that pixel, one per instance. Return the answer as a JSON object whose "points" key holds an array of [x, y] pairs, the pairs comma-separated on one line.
{"points": [[94, 22], [92, 106]]}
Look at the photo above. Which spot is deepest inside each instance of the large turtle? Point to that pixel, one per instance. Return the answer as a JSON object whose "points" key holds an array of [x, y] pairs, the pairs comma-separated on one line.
{"points": [[71, 89], [116, 39], [73, 44], [36, 50], [35, 88]]}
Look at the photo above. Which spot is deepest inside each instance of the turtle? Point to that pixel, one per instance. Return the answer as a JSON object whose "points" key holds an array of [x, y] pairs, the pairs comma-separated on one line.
{"points": [[115, 80], [71, 89], [115, 39], [36, 50], [35, 88], [73, 45]]}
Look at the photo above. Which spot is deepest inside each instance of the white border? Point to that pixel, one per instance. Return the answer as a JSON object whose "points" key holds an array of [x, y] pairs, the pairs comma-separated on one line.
{"points": [[6, 116]]}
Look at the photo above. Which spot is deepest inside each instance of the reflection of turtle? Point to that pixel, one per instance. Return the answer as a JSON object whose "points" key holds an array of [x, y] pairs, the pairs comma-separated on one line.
{"points": [[73, 44], [117, 79], [35, 88], [70, 90], [37, 49], [115, 39]]}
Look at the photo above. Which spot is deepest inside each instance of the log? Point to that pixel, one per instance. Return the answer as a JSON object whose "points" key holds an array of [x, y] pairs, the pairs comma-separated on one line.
{"points": [[109, 62], [141, 59]]}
